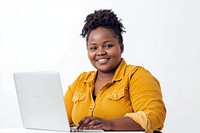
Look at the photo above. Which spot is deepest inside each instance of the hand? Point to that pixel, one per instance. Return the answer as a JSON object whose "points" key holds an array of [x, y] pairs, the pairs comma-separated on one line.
{"points": [[91, 122]]}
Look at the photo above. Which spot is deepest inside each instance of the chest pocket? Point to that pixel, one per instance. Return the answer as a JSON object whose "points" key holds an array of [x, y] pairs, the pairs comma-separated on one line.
{"points": [[78, 97], [116, 95]]}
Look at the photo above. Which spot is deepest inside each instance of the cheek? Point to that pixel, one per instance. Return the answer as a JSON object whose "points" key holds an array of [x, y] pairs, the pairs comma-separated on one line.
{"points": [[115, 52], [91, 55]]}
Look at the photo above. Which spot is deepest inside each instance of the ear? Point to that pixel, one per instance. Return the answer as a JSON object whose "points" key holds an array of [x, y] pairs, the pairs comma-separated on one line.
{"points": [[122, 47]]}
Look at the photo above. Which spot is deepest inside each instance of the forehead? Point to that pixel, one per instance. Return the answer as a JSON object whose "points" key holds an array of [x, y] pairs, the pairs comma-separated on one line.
{"points": [[101, 33]]}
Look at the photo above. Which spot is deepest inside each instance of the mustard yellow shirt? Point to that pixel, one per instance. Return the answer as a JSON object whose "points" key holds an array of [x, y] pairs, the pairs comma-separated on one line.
{"points": [[133, 92]]}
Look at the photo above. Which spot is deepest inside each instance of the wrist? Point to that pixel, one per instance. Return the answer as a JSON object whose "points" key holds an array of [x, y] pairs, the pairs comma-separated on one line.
{"points": [[110, 124]]}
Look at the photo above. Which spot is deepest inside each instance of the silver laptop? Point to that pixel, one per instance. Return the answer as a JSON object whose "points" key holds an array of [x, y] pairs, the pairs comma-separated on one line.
{"points": [[41, 101]]}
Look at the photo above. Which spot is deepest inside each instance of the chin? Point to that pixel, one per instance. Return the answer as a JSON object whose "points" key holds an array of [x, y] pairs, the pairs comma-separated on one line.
{"points": [[104, 70]]}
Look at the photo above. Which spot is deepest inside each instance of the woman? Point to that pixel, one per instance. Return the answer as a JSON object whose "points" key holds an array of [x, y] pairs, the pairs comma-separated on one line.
{"points": [[116, 96]]}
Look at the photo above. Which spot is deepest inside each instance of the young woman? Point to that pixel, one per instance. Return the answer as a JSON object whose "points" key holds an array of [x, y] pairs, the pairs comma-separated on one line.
{"points": [[116, 96]]}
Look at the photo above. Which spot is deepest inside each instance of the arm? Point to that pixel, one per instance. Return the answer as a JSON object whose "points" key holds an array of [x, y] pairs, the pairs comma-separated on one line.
{"points": [[123, 123], [68, 103], [146, 97], [68, 98]]}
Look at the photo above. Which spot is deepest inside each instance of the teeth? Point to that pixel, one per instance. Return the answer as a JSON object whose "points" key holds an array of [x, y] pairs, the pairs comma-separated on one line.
{"points": [[102, 60]]}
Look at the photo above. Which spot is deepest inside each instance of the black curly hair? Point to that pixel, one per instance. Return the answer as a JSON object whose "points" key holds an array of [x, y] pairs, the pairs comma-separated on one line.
{"points": [[105, 18]]}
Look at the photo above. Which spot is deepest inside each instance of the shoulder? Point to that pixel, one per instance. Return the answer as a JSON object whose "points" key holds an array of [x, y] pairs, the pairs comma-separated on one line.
{"points": [[86, 75], [136, 69], [139, 72], [82, 78]]}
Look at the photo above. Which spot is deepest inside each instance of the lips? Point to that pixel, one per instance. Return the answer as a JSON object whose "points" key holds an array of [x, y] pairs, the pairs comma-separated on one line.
{"points": [[103, 60]]}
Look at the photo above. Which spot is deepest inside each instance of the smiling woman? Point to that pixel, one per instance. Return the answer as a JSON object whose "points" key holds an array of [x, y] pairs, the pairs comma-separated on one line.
{"points": [[104, 50], [116, 96]]}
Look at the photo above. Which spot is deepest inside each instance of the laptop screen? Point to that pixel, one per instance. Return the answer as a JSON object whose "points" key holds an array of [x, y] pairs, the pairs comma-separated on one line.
{"points": [[41, 101]]}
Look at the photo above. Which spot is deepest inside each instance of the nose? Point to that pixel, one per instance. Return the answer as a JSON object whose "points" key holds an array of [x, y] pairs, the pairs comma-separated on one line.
{"points": [[101, 52]]}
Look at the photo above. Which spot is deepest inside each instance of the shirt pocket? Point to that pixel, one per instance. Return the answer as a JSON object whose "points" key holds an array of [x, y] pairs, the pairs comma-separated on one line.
{"points": [[78, 97], [116, 95]]}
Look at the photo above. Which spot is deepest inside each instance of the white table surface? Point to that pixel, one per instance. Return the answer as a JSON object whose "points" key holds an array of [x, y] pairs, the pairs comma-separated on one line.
{"points": [[22, 130]]}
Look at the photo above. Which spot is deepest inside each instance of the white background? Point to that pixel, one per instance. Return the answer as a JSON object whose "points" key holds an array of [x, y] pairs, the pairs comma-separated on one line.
{"points": [[162, 35]]}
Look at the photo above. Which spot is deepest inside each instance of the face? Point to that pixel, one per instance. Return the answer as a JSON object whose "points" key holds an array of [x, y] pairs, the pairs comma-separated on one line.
{"points": [[104, 49]]}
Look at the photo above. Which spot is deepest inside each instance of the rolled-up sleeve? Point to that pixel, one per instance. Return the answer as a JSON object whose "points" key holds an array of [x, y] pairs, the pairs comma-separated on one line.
{"points": [[147, 103]]}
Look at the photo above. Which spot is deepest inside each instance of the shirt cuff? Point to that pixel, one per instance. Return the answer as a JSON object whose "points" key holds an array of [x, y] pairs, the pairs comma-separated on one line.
{"points": [[141, 118]]}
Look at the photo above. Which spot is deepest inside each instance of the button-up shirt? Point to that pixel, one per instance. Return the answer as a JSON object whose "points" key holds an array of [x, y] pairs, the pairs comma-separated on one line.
{"points": [[133, 92]]}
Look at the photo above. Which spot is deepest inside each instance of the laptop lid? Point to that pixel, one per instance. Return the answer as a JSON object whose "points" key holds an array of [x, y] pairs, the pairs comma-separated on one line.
{"points": [[41, 101]]}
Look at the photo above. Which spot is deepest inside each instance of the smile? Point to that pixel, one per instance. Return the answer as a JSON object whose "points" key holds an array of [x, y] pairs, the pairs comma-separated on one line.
{"points": [[102, 60]]}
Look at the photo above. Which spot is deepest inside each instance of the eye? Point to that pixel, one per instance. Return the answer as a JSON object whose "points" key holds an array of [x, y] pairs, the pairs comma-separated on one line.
{"points": [[108, 45], [93, 48]]}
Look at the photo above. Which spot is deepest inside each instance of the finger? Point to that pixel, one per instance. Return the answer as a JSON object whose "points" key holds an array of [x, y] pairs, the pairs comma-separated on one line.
{"points": [[92, 123], [99, 123], [96, 123], [80, 122], [99, 126], [83, 124]]}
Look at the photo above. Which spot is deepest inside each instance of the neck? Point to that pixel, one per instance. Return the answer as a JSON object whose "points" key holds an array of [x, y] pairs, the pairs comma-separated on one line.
{"points": [[105, 76]]}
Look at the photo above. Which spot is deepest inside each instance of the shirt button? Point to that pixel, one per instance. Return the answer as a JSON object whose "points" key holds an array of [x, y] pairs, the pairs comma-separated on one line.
{"points": [[90, 107]]}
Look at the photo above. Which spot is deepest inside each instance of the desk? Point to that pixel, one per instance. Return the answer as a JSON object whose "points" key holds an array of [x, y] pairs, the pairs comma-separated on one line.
{"points": [[22, 130]]}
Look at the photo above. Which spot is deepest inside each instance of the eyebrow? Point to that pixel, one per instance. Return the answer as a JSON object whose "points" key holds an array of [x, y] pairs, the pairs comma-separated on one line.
{"points": [[93, 43]]}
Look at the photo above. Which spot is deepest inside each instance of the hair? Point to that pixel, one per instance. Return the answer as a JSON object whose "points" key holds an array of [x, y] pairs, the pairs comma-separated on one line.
{"points": [[104, 18]]}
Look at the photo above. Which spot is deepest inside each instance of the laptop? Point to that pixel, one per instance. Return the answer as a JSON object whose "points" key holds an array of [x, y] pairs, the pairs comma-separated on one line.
{"points": [[41, 102]]}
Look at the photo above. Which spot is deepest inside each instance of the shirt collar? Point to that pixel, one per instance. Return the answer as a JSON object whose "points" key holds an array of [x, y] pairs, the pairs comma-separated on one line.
{"points": [[119, 73]]}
